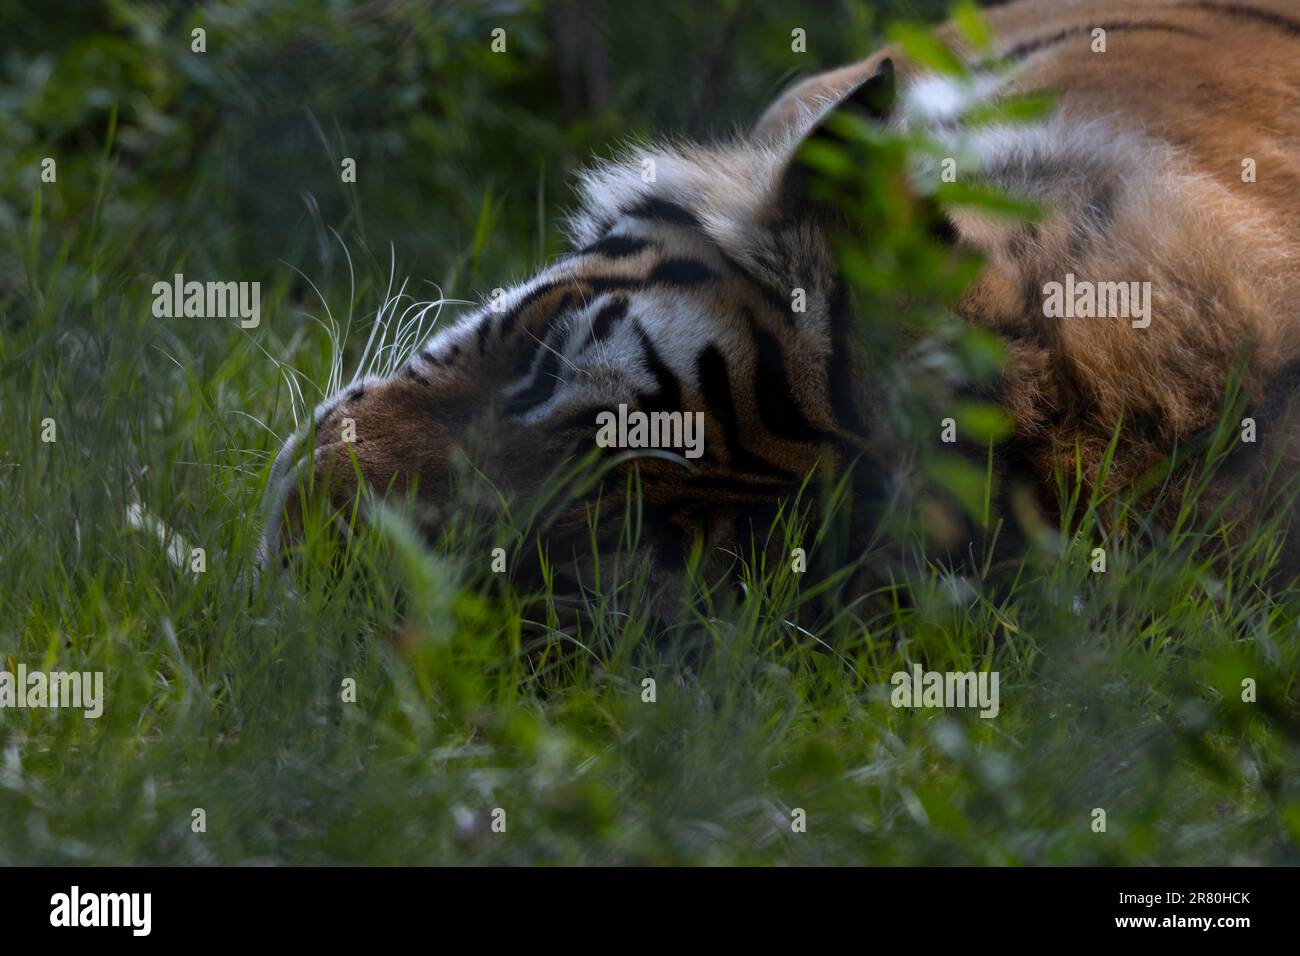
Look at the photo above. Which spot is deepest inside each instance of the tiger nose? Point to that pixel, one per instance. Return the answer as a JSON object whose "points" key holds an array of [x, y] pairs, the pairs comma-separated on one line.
{"points": [[317, 467], [310, 472], [337, 461], [391, 436]]}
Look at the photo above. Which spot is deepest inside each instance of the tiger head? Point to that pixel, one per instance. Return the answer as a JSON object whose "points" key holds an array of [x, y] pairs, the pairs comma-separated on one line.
{"points": [[701, 301]]}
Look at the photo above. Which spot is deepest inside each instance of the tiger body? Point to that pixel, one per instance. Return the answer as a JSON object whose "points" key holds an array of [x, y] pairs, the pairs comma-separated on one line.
{"points": [[1142, 168], [677, 296]]}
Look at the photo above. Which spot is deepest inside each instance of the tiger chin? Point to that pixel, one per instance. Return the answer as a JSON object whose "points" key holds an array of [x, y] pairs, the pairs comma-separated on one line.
{"points": [[675, 300]]}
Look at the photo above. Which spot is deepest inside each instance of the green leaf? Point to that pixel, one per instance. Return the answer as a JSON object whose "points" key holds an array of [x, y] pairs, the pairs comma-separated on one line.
{"points": [[923, 47], [961, 478], [982, 422], [971, 26], [1018, 109], [988, 199]]}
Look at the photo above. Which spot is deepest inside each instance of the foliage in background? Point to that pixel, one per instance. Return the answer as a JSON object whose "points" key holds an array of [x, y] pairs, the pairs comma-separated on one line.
{"points": [[1119, 691]]}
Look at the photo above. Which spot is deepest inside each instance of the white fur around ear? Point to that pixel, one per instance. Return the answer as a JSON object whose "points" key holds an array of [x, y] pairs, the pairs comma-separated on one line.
{"points": [[732, 188], [726, 187]]}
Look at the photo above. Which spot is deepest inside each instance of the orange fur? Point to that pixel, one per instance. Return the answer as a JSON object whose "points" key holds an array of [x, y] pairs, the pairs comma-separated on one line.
{"points": [[1195, 89]]}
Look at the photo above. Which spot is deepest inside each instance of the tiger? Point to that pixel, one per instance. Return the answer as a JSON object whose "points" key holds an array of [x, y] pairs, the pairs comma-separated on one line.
{"points": [[1170, 160]]}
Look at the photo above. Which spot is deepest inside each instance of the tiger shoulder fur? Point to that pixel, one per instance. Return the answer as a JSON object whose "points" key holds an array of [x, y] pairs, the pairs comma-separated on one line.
{"points": [[1171, 160]]}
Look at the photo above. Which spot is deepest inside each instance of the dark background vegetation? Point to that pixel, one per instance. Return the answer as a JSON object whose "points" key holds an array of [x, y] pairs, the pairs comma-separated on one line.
{"points": [[462, 153]]}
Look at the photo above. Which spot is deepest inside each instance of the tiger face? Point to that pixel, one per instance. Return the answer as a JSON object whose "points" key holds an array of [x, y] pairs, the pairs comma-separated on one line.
{"points": [[680, 297], [698, 302]]}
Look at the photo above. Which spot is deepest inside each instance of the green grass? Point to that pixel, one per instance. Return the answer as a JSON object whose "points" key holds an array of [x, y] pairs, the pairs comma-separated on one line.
{"points": [[1119, 691]]}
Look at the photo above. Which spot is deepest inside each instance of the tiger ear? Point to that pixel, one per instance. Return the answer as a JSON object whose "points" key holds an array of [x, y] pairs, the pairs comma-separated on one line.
{"points": [[872, 99], [874, 96]]}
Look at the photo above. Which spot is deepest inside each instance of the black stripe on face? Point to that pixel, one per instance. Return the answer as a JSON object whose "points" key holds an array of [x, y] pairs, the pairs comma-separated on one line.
{"points": [[1030, 47], [608, 317], [1268, 17], [448, 357], [681, 272], [543, 384], [527, 355], [661, 210], [715, 383], [510, 318], [668, 391], [617, 247], [546, 377], [601, 284], [778, 304], [773, 394]]}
